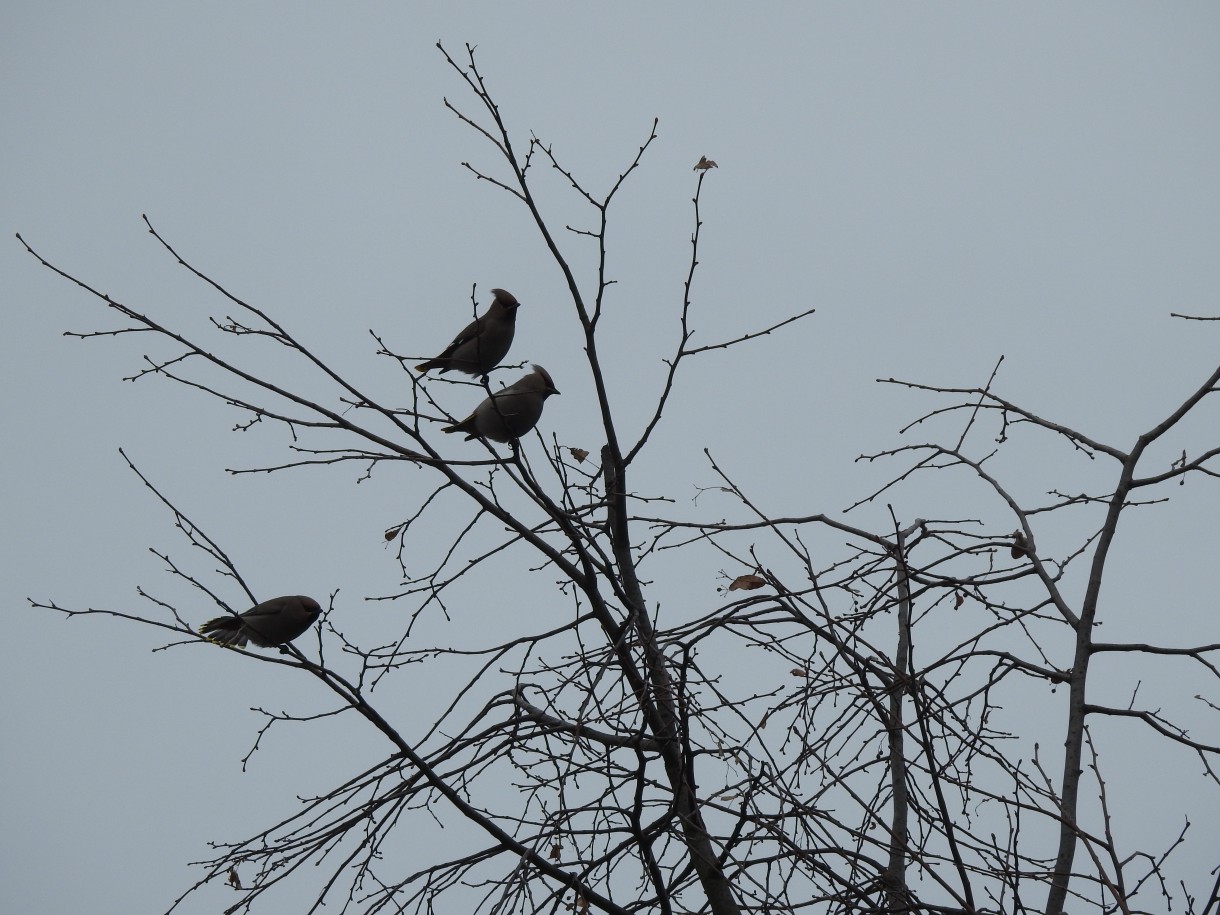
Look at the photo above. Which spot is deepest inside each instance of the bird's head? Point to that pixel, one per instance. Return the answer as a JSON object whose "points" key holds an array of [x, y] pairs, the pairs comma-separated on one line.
{"points": [[505, 300], [541, 382]]}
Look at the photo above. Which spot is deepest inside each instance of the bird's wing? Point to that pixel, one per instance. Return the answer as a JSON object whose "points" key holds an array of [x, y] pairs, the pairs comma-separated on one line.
{"points": [[469, 332], [265, 609]]}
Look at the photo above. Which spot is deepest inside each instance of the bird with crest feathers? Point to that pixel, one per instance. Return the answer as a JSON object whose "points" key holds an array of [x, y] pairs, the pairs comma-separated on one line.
{"points": [[507, 415], [483, 343]]}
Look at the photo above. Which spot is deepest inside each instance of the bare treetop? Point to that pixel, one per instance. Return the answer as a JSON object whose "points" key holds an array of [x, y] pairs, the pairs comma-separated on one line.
{"points": [[881, 752]]}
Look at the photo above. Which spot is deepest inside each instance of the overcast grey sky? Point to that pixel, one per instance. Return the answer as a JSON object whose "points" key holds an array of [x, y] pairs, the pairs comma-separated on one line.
{"points": [[945, 183]]}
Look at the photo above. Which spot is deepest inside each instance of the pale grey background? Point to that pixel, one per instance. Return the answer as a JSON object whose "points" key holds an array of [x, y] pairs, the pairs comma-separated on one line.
{"points": [[946, 183]]}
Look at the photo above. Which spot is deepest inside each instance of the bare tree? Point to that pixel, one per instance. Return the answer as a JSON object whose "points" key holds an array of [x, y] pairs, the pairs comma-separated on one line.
{"points": [[621, 761]]}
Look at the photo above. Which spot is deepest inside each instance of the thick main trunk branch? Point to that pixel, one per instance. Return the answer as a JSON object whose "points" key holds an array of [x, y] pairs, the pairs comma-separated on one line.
{"points": [[665, 720]]}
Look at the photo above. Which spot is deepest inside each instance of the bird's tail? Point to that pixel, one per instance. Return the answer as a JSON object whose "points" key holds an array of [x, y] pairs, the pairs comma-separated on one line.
{"points": [[225, 630]]}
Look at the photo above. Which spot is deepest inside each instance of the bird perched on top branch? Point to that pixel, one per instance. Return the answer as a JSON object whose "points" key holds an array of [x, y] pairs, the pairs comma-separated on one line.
{"points": [[483, 343]]}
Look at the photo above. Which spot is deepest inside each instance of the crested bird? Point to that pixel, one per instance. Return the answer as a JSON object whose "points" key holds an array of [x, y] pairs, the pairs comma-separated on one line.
{"points": [[483, 343], [273, 622], [509, 414]]}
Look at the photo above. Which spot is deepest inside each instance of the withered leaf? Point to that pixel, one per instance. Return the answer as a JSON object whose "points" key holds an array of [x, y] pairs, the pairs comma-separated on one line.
{"points": [[1020, 546], [747, 583], [958, 599], [579, 453], [392, 532], [704, 164]]}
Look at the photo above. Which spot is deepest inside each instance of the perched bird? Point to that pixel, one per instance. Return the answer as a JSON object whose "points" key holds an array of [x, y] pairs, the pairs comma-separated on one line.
{"points": [[509, 414], [483, 343], [273, 622]]}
